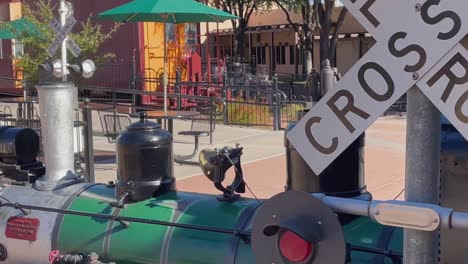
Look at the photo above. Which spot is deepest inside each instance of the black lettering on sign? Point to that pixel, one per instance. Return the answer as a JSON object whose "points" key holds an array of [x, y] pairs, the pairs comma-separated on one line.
{"points": [[446, 70], [350, 107], [459, 107], [388, 79], [365, 11], [405, 51], [438, 18], [320, 148]]}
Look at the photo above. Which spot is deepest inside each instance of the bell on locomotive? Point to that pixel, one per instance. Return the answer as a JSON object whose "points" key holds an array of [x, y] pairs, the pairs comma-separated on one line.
{"points": [[144, 162]]}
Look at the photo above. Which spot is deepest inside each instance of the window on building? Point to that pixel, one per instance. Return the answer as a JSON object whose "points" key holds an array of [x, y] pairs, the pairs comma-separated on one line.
{"points": [[283, 54], [301, 55], [278, 55], [292, 54], [263, 55], [259, 55]]}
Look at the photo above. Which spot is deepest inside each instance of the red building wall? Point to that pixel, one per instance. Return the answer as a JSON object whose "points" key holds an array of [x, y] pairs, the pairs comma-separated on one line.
{"points": [[124, 43]]}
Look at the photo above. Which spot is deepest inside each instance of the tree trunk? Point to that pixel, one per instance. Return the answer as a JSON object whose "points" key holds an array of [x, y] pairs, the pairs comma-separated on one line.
{"points": [[308, 61], [239, 39], [324, 45]]}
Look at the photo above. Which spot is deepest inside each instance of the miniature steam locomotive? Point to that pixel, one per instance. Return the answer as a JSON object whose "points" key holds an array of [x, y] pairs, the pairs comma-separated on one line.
{"points": [[143, 219]]}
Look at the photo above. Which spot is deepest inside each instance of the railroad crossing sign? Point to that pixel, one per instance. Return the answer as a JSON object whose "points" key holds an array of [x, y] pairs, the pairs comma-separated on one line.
{"points": [[71, 44], [417, 44], [62, 33]]}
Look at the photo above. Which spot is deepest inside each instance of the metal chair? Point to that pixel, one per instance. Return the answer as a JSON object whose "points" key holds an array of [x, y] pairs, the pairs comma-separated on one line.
{"points": [[5, 117], [113, 123], [202, 125]]}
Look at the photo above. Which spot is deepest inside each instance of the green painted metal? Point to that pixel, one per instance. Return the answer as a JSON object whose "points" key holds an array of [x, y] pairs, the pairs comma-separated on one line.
{"points": [[144, 244], [85, 234], [366, 233], [210, 247]]}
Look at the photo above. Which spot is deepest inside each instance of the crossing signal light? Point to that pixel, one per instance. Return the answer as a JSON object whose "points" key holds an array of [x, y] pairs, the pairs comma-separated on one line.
{"points": [[296, 228], [85, 69]]}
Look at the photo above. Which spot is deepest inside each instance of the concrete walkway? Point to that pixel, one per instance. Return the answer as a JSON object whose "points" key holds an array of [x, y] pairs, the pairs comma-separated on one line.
{"points": [[264, 161], [384, 166], [258, 144]]}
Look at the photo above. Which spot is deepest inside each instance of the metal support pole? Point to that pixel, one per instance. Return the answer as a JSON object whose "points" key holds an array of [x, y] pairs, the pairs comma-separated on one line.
{"points": [[88, 141], [224, 96], [177, 88], [212, 112], [276, 105], [63, 20], [56, 114], [327, 78], [291, 87], [134, 72], [165, 78], [422, 172]]}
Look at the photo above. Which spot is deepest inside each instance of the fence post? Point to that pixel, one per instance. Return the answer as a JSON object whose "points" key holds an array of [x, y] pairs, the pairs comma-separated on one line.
{"points": [[177, 88], [224, 96], [276, 104], [88, 141], [291, 87], [254, 64]]}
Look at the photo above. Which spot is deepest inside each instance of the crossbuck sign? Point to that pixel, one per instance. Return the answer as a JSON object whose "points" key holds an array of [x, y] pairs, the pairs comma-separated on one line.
{"points": [[418, 44], [61, 34], [71, 44]]}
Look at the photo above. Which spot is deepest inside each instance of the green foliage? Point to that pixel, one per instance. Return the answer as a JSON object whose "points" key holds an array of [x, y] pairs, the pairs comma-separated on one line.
{"points": [[248, 113], [89, 38], [242, 9]]}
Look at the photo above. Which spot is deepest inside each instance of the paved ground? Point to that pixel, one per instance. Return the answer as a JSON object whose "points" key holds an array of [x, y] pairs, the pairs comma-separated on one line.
{"points": [[264, 162], [384, 166]]}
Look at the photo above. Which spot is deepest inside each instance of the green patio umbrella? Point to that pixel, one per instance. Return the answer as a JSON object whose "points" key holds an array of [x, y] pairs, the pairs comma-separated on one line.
{"points": [[17, 29], [165, 11]]}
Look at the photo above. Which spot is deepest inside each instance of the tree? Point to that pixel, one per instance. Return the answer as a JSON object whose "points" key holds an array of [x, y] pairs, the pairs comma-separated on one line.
{"points": [[244, 10], [316, 15], [89, 38]]}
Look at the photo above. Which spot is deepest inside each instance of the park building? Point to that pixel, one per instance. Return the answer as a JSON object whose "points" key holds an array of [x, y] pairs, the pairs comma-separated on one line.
{"points": [[273, 42], [199, 50]]}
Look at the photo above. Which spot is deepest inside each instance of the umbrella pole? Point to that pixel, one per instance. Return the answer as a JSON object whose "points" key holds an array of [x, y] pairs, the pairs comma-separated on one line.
{"points": [[165, 79]]}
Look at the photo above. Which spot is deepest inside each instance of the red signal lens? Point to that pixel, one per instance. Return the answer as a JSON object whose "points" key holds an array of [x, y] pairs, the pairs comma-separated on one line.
{"points": [[294, 248]]}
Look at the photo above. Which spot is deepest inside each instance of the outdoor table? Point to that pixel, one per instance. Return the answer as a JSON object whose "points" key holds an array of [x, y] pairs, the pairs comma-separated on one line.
{"points": [[169, 116]]}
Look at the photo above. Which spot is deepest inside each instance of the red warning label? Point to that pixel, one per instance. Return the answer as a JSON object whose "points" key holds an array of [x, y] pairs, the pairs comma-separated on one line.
{"points": [[22, 228]]}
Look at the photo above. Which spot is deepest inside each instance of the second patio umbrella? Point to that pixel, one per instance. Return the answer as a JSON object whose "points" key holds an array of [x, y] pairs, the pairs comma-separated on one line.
{"points": [[165, 11]]}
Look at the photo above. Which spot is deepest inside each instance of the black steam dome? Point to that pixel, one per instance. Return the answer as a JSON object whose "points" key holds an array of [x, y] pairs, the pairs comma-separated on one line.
{"points": [[144, 161]]}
